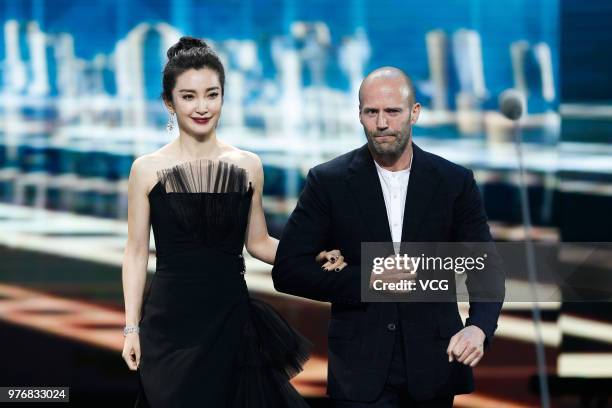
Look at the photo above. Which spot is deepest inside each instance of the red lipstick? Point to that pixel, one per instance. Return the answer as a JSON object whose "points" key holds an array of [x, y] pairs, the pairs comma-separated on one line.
{"points": [[201, 121]]}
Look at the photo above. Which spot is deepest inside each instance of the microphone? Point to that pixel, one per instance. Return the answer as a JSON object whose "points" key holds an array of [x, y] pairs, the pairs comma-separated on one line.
{"points": [[512, 104]]}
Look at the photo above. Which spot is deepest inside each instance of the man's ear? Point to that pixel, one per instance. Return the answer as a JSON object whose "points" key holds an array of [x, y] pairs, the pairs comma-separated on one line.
{"points": [[416, 110], [360, 118]]}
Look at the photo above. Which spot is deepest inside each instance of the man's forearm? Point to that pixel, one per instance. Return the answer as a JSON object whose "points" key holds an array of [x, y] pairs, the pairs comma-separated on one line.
{"points": [[303, 277]]}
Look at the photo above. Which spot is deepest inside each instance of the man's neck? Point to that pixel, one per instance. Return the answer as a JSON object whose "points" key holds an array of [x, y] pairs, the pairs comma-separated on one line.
{"points": [[401, 162]]}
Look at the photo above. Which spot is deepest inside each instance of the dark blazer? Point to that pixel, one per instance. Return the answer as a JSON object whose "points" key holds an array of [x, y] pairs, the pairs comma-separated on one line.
{"points": [[341, 206]]}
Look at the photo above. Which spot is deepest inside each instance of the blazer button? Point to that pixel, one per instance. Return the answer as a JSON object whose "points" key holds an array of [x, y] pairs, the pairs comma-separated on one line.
{"points": [[391, 327]]}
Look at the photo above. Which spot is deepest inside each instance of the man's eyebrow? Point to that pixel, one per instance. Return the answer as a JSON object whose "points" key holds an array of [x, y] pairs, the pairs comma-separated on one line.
{"points": [[390, 108]]}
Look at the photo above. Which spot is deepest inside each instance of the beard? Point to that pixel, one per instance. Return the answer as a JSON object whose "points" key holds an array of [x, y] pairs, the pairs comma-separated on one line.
{"points": [[391, 150]]}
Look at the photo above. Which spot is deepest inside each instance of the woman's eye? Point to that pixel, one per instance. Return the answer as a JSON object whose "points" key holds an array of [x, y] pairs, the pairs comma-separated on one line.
{"points": [[188, 97], [213, 95]]}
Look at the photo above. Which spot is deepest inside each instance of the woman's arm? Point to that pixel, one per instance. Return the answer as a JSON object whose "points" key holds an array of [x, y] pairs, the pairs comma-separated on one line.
{"points": [[262, 246], [258, 243], [136, 256]]}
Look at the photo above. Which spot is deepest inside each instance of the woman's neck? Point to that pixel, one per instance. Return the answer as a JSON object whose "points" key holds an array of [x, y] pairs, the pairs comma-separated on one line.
{"points": [[191, 147]]}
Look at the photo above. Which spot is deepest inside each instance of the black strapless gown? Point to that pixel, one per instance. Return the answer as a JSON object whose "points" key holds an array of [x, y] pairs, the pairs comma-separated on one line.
{"points": [[204, 341]]}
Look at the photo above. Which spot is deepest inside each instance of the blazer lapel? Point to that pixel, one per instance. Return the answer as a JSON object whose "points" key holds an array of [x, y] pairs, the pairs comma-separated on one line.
{"points": [[365, 185], [422, 185]]}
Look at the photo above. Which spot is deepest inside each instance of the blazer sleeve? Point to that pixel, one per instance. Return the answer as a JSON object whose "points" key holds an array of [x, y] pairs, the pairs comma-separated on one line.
{"points": [[470, 225], [307, 233]]}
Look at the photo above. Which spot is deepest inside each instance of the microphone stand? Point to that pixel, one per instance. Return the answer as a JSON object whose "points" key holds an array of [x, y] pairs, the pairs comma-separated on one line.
{"points": [[531, 269]]}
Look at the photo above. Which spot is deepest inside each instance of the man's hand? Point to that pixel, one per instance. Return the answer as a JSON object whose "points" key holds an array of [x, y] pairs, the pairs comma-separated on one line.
{"points": [[467, 346]]}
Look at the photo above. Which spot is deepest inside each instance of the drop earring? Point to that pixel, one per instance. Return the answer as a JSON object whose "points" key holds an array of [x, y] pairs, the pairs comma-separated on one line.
{"points": [[170, 124]]}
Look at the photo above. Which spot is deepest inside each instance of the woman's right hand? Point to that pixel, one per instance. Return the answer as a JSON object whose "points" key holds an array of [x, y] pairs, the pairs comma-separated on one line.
{"points": [[131, 351], [331, 260]]}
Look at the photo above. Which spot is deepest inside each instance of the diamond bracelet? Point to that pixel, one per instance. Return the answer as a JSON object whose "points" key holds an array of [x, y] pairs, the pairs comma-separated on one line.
{"points": [[130, 329]]}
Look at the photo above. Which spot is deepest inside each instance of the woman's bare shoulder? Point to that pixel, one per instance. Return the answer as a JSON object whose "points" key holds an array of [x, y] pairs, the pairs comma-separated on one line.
{"points": [[149, 164], [146, 167], [243, 158]]}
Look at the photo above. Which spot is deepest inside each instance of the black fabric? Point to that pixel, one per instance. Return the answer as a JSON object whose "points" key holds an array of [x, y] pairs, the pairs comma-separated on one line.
{"points": [[341, 206], [394, 393], [204, 341]]}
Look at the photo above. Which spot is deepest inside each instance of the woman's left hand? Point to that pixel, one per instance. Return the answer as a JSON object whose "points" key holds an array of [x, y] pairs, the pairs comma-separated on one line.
{"points": [[332, 260]]}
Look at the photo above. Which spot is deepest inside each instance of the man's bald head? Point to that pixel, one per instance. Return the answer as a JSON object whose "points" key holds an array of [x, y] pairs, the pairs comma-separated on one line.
{"points": [[389, 74], [387, 111]]}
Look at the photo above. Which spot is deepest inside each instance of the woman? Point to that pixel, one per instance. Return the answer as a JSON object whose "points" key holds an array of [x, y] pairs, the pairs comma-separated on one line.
{"points": [[201, 341]]}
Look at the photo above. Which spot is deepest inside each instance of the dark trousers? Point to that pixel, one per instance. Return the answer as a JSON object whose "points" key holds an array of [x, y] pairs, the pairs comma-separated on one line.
{"points": [[394, 394]]}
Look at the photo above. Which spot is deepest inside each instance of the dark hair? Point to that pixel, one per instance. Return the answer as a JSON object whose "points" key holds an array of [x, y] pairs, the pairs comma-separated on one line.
{"points": [[189, 53]]}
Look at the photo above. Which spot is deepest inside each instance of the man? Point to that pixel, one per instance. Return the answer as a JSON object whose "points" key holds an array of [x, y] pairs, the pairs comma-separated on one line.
{"points": [[387, 354]]}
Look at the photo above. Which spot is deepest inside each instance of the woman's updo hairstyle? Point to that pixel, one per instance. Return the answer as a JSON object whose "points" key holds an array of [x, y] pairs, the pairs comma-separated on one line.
{"points": [[189, 53]]}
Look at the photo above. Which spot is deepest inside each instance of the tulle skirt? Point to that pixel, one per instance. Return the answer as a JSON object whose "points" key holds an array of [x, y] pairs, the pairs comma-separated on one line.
{"points": [[267, 354], [271, 353]]}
